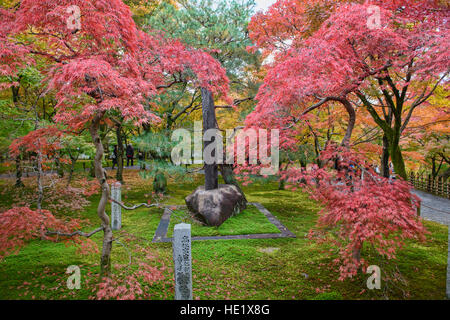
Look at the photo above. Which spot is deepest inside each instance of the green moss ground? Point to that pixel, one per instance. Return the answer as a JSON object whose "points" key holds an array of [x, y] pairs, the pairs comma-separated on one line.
{"points": [[230, 269], [249, 221]]}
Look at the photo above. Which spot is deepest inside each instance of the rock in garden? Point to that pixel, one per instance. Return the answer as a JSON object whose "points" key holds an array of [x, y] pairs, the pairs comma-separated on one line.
{"points": [[216, 206]]}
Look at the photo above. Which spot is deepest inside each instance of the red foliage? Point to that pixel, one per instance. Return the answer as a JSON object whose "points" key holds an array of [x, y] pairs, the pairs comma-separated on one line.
{"points": [[104, 68], [21, 224], [369, 211], [45, 140], [13, 56], [107, 58], [325, 49], [135, 285]]}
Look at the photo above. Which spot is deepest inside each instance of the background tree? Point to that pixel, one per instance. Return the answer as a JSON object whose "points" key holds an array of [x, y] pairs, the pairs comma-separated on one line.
{"points": [[158, 146], [219, 26], [74, 146]]}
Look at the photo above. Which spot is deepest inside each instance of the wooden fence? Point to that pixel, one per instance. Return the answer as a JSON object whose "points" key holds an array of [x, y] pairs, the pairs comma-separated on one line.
{"points": [[426, 183]]}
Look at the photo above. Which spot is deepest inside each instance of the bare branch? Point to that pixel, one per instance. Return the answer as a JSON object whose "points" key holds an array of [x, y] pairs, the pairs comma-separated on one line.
{"points": [[137, 206], [76, 233]]}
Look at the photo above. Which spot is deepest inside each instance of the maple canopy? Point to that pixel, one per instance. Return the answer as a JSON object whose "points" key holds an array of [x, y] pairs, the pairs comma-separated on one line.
{"points": [[381, 61], [326, 51], [102, 70], [107, 58]]}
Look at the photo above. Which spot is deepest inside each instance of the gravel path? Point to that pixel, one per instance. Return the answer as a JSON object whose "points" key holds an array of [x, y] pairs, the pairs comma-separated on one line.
{"points": [[434, 208]]}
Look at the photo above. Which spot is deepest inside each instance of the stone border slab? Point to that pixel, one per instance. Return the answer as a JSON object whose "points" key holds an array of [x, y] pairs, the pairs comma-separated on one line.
{"points": [[163, 228]]}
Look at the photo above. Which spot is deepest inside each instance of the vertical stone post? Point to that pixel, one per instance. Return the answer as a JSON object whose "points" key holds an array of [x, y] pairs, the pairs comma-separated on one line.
{"points": [[182, 259], [116, 210]]}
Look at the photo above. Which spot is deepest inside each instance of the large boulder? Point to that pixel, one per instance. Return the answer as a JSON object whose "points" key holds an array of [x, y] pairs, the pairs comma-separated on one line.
{"points": [[216, 206]]}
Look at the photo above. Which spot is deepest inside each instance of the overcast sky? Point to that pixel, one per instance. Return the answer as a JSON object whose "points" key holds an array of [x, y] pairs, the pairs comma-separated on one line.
{"points": [[264, 4]]}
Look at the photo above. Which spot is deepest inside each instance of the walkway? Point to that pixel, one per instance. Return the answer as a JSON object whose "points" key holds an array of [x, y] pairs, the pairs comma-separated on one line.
{"points": [[434, 208]]}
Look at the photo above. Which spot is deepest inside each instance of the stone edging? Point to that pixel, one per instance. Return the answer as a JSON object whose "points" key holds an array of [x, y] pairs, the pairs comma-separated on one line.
{"points": [[161, 231]]}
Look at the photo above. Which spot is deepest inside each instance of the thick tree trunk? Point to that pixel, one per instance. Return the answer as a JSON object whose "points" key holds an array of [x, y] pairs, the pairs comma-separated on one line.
{"points": [[228, 177], [100, 174], [357, 254], [119, 174], [433, 167], [397, 161], [209, 122], [351, 122], [282, 182], [445, 174], [385, 158], [19, 182]]}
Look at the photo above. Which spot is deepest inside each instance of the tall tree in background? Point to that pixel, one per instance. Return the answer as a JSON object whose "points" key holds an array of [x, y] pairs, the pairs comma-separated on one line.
{"points": [[220, 27], [143, 9], [426, 141]]}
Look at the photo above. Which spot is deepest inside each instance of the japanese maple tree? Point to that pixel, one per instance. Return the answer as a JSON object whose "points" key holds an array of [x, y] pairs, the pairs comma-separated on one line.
{"points": [[326, 52], [102, 67], [361, 209], [20, 224], [329, 51]]}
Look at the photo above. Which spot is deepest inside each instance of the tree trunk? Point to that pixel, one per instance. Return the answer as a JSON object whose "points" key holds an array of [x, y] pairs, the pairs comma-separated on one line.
{"points": [[433, 167], [228, 177], [445, 175], [72, 168], [100, 174], [209, 122], [282, 182], [39, 179], [357, 254], [397, 161], [19, 182], [59, 168], [351, 122], [385, 158], [119, 174]]}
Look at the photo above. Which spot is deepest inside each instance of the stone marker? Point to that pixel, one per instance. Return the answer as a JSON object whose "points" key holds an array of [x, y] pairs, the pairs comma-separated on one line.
{"points": [[448, 264], [182, 259], [116, 210]]}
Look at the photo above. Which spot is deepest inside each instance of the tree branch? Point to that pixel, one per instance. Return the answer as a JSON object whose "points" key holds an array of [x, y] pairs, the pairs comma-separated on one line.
{"points": [[76, 233], [137, 206]]}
